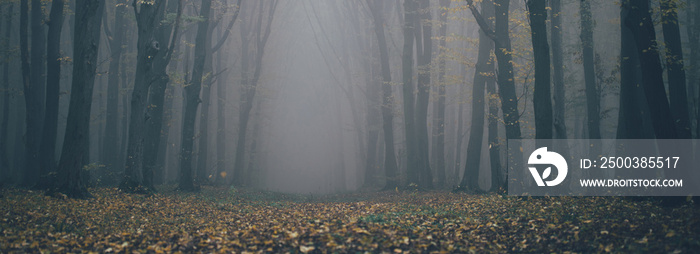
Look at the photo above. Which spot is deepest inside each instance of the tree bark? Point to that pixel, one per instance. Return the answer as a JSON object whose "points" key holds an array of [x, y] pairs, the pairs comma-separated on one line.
{"points": [[410, 14], [470, 178], [638, 20], [148, 16], [424, 47], [675, 71], [558, 71], [111, 133], [192, 99], [592, 93], [34, 91], [542, 99], [53, 66], [390, 167], [248, 91], [87, 37], [4, 158], [439, 145]]}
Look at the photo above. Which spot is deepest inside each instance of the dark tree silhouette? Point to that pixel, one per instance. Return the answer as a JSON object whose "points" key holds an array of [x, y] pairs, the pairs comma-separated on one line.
{"points": [[53, 77], [542, 100], [675, 71], [482, 72], [390, 167], [71, 180], [559, 108]]}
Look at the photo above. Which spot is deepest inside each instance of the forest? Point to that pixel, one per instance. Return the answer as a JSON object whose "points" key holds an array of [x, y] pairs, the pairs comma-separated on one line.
{"points": [[230, 126]]}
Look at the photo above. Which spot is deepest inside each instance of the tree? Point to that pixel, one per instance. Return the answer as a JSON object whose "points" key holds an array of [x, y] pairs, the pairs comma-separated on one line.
{"points": [[592, 93], [192, 98], [638, 20], [631, 121], [482, 72], [410, 14], [117, 43], [34, 87], [559, 108], [542, 99], [439, 144], [505, 76], [148, 16], [87, 37], [156, 95], [675, 72], [53, 74], [4, 164], [390, 167], [249, 87]]}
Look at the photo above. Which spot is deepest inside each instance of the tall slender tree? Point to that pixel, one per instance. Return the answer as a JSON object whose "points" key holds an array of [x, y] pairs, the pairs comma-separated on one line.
{"points": [[4, 158], [248, 91], [675, 71], [505, 76], [117, 44], [559, 109], [71, 180], [470, 178], [410, 14], [439, 144], [390, 167], [592, 93], [542, 99], [192, 99]]}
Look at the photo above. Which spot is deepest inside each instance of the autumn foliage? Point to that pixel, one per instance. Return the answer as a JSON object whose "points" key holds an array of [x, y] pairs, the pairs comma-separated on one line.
{"points": [[229, 220]]}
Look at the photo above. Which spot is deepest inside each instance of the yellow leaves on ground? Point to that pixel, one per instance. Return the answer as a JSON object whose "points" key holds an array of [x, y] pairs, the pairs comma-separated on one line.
{"points": [[222, 221]]}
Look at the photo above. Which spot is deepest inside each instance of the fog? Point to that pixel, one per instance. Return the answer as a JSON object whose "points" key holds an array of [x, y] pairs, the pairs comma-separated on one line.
{"points": [[294, 96]]}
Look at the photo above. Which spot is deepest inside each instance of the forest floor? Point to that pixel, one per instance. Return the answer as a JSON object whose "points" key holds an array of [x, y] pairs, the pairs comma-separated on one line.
{"points": [[228, 220]]}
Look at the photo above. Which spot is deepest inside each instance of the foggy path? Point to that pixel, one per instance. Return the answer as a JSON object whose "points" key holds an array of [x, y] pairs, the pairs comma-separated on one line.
{"points": [[300, 150]]}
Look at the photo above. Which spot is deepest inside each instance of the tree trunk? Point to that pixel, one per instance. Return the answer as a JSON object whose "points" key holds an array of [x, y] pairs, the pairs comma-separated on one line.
{"points": [[424, 46], [148, 16], [542, 99], [470, 178], [53, 66], [248, 91], [86, 41], [497, 179], [4, 158], [638, 20], [111, 133], [390, 167], [631, 121], [192, 100], [203, 154], [675, 72], [156, 95], [558, 71], [34, 91], [410, 14], [592, 94], [439, 145]]}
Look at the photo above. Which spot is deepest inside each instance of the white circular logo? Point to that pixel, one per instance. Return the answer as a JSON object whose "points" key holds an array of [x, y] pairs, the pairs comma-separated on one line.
{"points": [[543, 157]]}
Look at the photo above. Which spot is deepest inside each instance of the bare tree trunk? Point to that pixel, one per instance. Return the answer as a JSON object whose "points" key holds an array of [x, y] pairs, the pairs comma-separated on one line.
{"points": [[53, 66], [87, 37], [192, 99], [148, 16], [4, 158], [390, 167], [592, 94], [424, 46], [470, 178], [439, 144], [410, 14], [558, 69], [111, 133], [248, 91], [542, 100], [676, 71]]}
